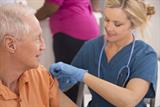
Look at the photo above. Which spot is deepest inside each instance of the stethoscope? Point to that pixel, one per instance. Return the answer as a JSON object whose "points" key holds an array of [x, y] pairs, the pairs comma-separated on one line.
{"points": [[125, 70]]}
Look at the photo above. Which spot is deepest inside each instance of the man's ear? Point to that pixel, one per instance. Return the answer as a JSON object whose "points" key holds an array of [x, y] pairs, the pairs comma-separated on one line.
{"points": [[10, 43]]}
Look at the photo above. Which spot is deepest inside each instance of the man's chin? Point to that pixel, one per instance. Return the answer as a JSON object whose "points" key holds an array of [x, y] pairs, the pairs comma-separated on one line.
{"points": [[32, 66]]}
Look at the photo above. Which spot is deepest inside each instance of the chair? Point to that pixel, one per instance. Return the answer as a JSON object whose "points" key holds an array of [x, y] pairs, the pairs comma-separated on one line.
{"points": [[157, 98]]}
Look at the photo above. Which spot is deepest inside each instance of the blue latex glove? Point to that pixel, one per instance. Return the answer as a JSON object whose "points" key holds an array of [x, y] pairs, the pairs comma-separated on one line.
{"points": [[67, 75]]}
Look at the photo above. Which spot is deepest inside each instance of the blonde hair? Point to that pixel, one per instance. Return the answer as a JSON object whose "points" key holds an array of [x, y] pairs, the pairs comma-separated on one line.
{"points": [[137, 11], [11, 20]]}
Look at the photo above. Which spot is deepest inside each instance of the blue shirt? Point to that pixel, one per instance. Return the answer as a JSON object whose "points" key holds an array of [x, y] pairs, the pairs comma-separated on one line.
{"points": [[143, 65]]}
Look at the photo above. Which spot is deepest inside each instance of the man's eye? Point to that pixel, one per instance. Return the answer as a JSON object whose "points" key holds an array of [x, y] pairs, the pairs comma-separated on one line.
{"points": [[106, 19]]}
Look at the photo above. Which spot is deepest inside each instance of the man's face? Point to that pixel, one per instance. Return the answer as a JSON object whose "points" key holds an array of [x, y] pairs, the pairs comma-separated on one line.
{"points": [[28, 49]]}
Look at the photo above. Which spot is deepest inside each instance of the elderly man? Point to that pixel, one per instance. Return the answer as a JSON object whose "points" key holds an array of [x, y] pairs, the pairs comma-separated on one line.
{"points": [[23, 82]]}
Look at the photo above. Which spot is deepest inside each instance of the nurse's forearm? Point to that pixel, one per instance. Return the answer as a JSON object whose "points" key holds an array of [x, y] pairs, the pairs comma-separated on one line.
{"points": [[118, 96]]}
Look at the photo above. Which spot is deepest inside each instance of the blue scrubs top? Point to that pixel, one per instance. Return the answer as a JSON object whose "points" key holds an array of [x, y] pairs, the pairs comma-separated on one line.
{"points": [[143, 65]]}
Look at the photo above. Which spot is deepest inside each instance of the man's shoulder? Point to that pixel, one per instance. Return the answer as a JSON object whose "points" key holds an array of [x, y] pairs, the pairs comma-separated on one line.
{"points": [[39, 69], [39, 73]]}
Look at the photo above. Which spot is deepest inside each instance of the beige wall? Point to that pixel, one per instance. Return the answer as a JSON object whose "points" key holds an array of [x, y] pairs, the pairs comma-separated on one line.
{"points": [[153, 29], [35, 3]]}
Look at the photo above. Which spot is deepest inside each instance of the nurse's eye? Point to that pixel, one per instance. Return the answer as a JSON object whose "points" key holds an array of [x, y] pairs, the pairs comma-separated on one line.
{"points": [[118, 24]]}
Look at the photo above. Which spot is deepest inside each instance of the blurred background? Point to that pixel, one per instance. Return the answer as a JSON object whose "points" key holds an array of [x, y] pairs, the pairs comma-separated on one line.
{"points": [[152, 32]]}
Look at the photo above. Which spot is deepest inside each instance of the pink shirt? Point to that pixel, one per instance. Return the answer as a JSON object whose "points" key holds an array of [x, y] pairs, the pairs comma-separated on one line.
{"points": [[74, 18]]}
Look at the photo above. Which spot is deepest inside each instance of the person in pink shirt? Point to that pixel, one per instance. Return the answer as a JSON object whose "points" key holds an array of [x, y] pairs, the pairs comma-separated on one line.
{"points": [[72, 23]]}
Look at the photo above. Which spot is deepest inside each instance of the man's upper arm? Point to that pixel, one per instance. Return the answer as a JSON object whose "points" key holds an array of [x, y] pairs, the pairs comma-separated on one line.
{"points": [[57, 97], [54, 93], [65, 101]]}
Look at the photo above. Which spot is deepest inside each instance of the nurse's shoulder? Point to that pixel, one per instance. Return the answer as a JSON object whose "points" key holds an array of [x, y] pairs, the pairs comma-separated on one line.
{"points": [[94, 43], [143, 48]]}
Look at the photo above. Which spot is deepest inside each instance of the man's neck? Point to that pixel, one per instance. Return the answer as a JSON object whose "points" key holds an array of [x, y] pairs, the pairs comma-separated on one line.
{"points": [[9, 78]]}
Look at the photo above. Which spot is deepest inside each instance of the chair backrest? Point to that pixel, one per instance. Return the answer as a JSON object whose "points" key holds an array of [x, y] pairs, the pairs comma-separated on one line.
{"points": [[157, 99], [80, 95]]}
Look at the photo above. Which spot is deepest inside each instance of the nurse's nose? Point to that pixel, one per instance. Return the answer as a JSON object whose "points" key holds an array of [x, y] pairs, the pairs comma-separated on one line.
{"points": [[110, 26]]}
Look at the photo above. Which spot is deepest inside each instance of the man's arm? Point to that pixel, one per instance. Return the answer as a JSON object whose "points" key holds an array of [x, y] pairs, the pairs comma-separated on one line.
{"points": [[65, 101], [57, 97]]}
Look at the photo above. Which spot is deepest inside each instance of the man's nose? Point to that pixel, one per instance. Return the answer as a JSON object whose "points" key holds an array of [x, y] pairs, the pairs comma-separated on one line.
{"points": [[42, 45]]}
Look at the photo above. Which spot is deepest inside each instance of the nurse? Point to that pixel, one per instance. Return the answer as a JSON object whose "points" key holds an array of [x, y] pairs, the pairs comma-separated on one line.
{"points": [[118, 69]]}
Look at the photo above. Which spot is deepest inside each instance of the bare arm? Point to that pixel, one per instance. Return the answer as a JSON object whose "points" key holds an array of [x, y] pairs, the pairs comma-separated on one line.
{"points": [[46, 10], [65, 101], [118, 96], [96, 5]]}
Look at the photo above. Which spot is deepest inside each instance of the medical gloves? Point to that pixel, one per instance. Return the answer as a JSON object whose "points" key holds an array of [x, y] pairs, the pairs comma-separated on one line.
{"points": [[67, 75]]}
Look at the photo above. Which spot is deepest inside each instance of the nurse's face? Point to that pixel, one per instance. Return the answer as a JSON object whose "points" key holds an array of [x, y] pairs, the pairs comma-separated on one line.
{"points": [[117, 24]]}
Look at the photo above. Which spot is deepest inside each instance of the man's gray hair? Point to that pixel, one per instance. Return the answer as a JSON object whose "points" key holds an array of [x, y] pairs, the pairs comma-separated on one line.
{"points": [[11, 20]]}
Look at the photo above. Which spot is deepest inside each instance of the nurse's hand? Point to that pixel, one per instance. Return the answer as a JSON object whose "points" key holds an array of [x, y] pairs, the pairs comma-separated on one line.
{"points": [[67, 75]]}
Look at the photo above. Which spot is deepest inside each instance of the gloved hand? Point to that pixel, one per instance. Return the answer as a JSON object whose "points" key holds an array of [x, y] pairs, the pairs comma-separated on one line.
{"points": [[67, 75]]}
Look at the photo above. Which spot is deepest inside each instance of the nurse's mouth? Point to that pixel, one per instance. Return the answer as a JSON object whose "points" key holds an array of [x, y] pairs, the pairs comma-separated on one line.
{"points": [[111, 35]]}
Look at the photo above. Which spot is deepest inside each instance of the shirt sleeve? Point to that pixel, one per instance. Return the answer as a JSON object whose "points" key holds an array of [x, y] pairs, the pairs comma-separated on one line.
{"points": [[145, 67], [53, 93], [59, 2]]}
